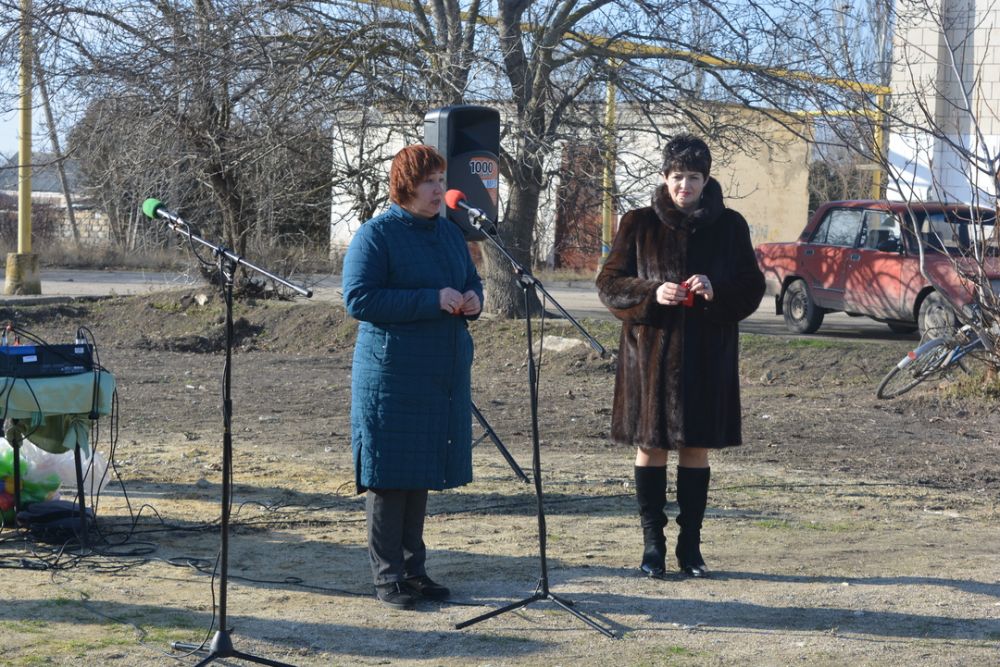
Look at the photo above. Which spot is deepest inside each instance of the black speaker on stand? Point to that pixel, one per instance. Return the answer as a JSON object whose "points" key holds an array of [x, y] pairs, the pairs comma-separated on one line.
{"points": [[469, 139]]}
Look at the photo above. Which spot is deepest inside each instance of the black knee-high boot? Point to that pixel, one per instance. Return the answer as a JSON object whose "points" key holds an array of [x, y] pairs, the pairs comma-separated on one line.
{"points": [[692, 497], [651, 492]]}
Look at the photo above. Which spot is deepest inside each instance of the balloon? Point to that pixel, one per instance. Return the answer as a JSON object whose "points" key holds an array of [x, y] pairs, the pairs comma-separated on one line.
{"points": [[39, 481], [6, 459]]}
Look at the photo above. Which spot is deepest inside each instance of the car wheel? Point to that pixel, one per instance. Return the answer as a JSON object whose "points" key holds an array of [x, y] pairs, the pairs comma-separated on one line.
{"points": [[901, 328], [936, 318], [802, 315]]}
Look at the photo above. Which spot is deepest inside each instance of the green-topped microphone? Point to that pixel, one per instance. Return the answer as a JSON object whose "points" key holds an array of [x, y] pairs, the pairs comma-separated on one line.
{"points": [[149, 207], [152, 208]]}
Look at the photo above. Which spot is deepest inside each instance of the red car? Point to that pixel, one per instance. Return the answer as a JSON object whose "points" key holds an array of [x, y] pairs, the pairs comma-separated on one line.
{"points": [[861, 257]]}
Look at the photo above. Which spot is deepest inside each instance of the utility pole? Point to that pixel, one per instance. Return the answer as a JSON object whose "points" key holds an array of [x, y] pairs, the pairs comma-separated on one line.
{"points": [[22, 266], [608, 179]]}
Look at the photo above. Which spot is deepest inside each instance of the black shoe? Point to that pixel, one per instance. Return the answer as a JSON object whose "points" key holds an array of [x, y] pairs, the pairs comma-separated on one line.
{"points": [[696, 571], [653, 571], [690, 561], [425, 587], [692, 496], [394, 595], [650, 492], [654, 558]]}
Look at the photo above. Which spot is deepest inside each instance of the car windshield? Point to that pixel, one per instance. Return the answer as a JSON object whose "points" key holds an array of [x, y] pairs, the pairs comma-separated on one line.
{"points": [[955, 231]]}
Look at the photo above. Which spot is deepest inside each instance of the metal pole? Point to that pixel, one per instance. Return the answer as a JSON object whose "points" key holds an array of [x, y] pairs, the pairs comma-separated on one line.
{"points": [[22, 266], [24, 144], [608, 181], [880, 152]]}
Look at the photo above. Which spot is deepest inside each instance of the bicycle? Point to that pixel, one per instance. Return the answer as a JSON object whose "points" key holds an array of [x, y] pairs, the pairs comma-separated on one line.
{"points": [[935, 357]]}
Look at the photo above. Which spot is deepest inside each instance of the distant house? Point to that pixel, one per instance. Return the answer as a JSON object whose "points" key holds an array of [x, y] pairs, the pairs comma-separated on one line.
{"points": [[47, 190], [44, 175]]}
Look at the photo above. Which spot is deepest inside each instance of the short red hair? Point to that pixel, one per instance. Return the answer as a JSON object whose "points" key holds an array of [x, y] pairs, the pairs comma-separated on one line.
{"points": [[409, 168]]}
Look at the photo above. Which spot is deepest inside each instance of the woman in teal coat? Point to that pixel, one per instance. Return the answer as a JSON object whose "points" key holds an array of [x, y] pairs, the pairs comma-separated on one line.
{"points": [[408, 277]]}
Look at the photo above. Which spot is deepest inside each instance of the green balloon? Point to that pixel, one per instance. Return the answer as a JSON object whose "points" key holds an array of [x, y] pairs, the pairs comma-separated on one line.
{"points": [[7, 463]]}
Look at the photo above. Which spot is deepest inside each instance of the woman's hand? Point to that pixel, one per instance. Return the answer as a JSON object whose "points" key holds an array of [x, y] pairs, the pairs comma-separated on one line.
{"points": [[470, 304], [701, 285], [451, 300], [670, 294]]}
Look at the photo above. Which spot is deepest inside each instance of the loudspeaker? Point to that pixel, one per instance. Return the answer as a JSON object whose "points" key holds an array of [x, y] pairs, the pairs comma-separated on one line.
{"points": [[469, 139]]}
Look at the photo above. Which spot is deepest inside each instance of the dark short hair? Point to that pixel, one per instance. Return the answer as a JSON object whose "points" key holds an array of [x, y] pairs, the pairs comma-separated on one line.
{"points": [[686, 152], [409, 168]]}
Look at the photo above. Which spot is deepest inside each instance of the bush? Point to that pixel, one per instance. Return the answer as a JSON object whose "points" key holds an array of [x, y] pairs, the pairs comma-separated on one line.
{"points": [[982, 383]]}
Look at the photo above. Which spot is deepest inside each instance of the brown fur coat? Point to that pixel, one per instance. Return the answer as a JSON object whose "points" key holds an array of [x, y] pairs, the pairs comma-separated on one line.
{"points": [[677, 383]]}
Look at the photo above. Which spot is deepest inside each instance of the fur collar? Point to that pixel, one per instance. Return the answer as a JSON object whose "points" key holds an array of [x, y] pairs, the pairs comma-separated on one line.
{"points": [[708, 212]]}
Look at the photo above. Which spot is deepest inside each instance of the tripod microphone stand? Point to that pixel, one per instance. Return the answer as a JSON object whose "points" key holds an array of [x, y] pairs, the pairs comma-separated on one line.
{"points": [[491, 434], [222, 643], [528, 284]]}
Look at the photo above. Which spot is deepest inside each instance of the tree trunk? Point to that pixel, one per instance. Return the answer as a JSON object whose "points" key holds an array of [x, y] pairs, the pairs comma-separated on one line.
{"points": [[504, 294], [50, 123]]}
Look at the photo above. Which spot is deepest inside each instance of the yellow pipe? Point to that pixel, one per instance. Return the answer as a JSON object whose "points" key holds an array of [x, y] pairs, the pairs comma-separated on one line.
{"points": [[24, 143], [868, 113], [631, 49], [607, 203], [627, 49], [879, 148]]}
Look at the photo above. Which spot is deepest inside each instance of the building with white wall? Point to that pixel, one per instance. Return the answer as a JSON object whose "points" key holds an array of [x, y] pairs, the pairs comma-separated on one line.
{"points": [[946, 97], [766, 179]]}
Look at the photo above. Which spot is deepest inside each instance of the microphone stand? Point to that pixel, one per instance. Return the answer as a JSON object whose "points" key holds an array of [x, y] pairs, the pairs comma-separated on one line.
{"points": [[528, 283], [222, 643], [491, 434]]}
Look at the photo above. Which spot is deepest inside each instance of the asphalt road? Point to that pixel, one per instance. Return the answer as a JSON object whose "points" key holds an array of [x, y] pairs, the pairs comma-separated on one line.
{"points": [[579, 298]]}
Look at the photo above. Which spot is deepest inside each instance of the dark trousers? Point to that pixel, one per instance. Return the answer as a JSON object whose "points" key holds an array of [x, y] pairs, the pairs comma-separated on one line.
{"points": [[396, 534]]}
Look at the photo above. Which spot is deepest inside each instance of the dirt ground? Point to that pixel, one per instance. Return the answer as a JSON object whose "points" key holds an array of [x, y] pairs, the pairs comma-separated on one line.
{"points": [[847, 530]]}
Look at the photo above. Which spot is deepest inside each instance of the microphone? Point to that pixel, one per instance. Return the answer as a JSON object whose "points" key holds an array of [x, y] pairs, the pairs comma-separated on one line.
{"points": [[152, 208], [455, 199]]}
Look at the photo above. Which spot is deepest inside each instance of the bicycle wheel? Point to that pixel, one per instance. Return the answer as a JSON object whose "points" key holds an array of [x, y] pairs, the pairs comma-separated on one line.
{"points": [[915, 367]]}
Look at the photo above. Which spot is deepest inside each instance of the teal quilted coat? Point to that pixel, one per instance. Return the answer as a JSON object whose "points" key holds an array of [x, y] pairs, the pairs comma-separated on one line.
{"points": [[411, 403]]}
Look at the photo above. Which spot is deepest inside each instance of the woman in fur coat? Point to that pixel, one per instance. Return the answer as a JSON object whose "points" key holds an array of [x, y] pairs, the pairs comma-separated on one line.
{"points": [[681, 274]]}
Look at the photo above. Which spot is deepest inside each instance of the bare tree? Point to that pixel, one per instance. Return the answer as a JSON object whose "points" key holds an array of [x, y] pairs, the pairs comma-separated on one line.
{"points": [[547, 65], [215, 106], [228, 85]]}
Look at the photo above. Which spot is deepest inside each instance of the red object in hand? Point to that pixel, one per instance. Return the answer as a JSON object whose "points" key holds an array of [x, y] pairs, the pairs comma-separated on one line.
{"points": [[689, 297]]}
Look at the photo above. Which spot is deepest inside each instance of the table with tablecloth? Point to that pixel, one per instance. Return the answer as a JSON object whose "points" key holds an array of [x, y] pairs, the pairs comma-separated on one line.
{"points": [[55, 414]]}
